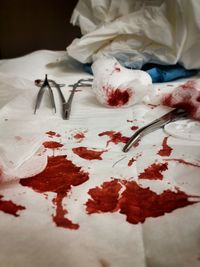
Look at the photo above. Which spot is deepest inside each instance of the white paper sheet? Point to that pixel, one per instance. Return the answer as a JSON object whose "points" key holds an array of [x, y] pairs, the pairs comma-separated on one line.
{"points": [[104, 238]]}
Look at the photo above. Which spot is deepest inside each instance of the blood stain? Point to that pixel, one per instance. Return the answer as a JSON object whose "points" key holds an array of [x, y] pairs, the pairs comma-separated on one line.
{"points": [[59, 176], [183, 97], [79, 136], [10, 207], [88, 154], [135, 202], [154, 171], [184, 162], [134, 128], [115, 137], [52, 144], [52, 134], [117, 69], [104, 198], [138, 203], [131, 161], [166, 149], [117, 97]]}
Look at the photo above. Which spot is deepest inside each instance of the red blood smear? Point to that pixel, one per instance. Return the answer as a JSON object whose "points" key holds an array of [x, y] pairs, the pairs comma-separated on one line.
{"points": [[138, 203], [59, 176], [59, 217], [154, 171], [135, 202], [79, 135], [9, 207], [104, 198], [117, 69], [117, 97], [51, 133], [184, 162], [131, 161], [115, 137], [189, 85], [185, 104], [166, 150], [88, 154], [186, 101], [52, 144], [134, 128]]}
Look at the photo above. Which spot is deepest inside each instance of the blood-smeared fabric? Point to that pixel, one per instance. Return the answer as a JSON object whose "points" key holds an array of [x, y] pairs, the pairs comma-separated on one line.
{"points": [[135, 202], [59, 176]]}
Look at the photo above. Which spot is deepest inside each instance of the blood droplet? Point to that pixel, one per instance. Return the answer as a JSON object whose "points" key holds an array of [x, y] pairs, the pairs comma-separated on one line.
{"points": [[10, 207], [115, 137], [117, 69], [52, 144], [154, 171], [131, 161], [134, 128], [52, 134], [166, 150], [88, 154], [79, 135], [59, 176]]}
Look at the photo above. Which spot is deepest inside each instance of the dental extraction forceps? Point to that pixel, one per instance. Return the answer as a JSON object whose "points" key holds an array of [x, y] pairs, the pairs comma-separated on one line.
{"points": [[66, 105], [173, 115], [40, 94]]}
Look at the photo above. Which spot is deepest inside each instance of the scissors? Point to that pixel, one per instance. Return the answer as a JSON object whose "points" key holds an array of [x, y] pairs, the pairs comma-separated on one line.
{"points": [[173, 115]]}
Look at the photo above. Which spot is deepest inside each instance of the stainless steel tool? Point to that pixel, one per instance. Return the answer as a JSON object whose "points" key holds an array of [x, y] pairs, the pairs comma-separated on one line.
{"points": [[173, 115], [66, 105], [45, 85]]}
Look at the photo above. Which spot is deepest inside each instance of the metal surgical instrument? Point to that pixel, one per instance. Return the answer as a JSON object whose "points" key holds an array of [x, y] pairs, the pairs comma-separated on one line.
{"points": [[40, 94]]}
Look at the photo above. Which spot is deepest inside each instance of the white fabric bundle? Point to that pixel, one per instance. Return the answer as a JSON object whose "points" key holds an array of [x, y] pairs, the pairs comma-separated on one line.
{"points": [[138, 32]]}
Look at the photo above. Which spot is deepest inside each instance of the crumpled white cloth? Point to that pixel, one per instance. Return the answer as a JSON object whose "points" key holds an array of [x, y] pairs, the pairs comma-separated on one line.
{"points": [[138, 32]]}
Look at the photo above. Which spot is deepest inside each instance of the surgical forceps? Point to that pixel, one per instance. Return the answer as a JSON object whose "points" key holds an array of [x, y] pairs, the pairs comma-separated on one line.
{"points": [[173, 115], [66, 105], [40, 94]]}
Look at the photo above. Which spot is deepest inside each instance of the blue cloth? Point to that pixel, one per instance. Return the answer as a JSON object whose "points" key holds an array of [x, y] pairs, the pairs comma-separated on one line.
{"points": [[160, 73]]}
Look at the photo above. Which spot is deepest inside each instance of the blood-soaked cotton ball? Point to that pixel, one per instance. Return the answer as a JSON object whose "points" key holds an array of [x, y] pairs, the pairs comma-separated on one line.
{"points": [[186, 96], [116, 86]]}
